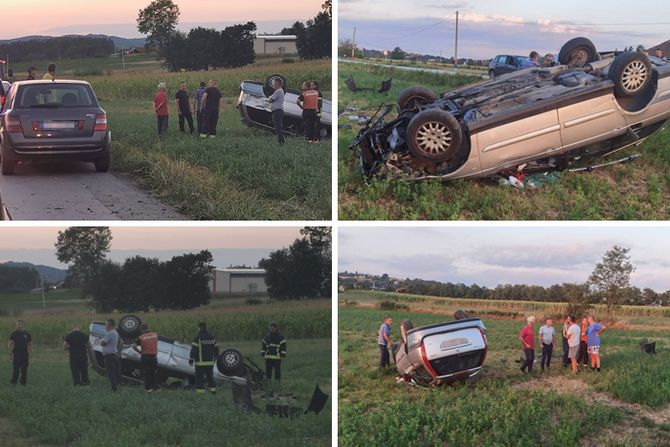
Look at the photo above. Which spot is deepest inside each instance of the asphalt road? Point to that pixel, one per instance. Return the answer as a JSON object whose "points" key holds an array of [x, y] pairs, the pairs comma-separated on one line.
{"points": [[74, 191], [463, 71]]}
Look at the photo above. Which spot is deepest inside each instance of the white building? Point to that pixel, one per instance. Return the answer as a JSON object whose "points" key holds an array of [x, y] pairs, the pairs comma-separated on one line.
{"points": [[275, 45], [238, 281]]}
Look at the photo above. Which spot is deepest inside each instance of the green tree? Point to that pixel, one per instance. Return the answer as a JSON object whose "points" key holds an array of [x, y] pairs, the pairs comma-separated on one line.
{"points": [[159, 20], [611, 275], [577, 296], [398, 54], [84, 249], [141, 287], [105, 288], [183, 282], [314, 39]]}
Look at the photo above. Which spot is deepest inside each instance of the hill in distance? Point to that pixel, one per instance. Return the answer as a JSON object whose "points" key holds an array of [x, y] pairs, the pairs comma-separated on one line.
{"points": [[119, 42], [49, 274]]}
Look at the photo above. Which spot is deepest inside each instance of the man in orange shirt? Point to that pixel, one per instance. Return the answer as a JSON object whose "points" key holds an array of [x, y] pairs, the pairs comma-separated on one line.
{"points": [[310, 103], [161, 109], [147, 346]]}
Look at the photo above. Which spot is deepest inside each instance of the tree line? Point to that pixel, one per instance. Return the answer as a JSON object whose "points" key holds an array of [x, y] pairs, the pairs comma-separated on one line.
{"points": [[18, 279], [69, 47], [202, 48]]}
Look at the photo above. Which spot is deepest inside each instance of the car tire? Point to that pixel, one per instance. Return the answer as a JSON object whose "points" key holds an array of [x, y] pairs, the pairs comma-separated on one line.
{"points": [[268, 90], [434, 135], [492, 74], [102, 163], [7, 162], [578, 52], [230, 362], [631, 74], [405, 326], [130, 327], [412, 97]]}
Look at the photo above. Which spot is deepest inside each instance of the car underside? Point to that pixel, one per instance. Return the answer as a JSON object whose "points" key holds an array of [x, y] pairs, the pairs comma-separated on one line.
{"points": [[542, 118]]}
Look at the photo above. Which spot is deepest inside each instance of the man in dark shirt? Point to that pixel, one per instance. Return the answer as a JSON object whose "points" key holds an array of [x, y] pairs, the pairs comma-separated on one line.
{"points": [[20, 348], [78, 345], [32, 74], [184, 107], [212, 101]]}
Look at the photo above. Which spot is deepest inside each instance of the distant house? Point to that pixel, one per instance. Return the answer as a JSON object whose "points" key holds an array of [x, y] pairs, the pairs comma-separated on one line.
{"points": [[665, 47], [275, 45], [238, 281]]}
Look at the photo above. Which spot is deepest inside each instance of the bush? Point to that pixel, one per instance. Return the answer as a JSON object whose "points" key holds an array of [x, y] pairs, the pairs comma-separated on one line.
{"points": [[253, 301], [392, 305], [288, 60]]}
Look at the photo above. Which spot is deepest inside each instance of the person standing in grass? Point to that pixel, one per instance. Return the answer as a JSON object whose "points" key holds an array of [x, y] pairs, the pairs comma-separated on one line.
{"points": [[276, 101], [527, 337], [32, 73], [212, 103], [20, 348], [310, 103], [547, 339], [573, 335], [593, 341], [111, 353], [384, 342], [51, 72], [583, 354], [147, 346], [564, 337], [204, 351], [184, 107], [78, 345], [273, 350], [161, 109], [197, 102]]}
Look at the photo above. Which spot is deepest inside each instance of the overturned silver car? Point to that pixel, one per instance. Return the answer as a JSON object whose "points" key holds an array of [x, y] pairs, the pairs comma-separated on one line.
{"points": [[230, 368], [441, 353], [255, 109], [592, 104]]}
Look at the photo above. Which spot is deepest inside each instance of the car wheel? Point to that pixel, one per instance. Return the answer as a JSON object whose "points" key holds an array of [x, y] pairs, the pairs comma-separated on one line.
{"points": [[492, 74], [631, 74], [230, 362], [130, 327], [102, 163], [413, 97], [405, 327], [270, 79], [6, 162], [434, 135], [578, 52]]}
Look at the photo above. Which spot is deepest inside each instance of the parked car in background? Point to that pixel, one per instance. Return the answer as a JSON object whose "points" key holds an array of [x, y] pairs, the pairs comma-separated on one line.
{"points": [[173, 356], [441, 353], [4, 91], [60, 119], [537, 119], [504, 63], [255, 110]]}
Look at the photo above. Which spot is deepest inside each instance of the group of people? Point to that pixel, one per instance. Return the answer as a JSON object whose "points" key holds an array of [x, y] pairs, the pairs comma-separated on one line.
{"points": [[203, 355], [547, 60], [581, 344], [207, 104]]}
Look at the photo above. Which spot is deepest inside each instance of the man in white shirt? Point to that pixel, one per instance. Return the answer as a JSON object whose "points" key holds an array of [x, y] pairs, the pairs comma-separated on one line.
{"points": [[573, 335]]}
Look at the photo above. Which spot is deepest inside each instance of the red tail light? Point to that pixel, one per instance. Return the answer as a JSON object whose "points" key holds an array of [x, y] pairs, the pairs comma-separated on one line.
{"points": [[12, 124], [2, 101], [100, 122]]}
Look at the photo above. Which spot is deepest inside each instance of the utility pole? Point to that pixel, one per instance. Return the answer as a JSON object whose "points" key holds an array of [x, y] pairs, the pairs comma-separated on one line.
{"points": [[456, 44], [353, 45], [44, 302], [123, 58]]}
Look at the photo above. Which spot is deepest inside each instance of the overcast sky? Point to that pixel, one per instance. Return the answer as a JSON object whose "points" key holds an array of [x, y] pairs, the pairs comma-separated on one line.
{"points": [[490, 27], [492, 256], [228, 245], [119, 17]]}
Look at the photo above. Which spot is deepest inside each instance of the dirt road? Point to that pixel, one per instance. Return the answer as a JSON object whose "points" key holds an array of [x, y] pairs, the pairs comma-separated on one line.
{"points": [[74, 191]]}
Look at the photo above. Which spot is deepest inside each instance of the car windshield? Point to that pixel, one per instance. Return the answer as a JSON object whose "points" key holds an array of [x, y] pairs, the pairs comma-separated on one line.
{"points": [[54, 96], [522, 61]]}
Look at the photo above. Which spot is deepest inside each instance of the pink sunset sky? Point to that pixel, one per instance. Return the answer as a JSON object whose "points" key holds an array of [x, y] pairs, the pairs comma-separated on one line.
{"points": [[118, 17]]}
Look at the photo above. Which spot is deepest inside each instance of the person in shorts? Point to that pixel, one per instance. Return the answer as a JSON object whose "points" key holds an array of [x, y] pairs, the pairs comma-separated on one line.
{"points": [[573, 336], [593, 342]]}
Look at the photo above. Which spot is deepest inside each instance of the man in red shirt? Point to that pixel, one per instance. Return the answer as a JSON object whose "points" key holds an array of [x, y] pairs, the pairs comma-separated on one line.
{"points": [[161, 108], [147, 347], [527, 337]]}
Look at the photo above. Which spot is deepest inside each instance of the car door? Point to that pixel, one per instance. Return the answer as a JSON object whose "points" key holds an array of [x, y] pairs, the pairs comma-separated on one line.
{"points": [[509, 65]]}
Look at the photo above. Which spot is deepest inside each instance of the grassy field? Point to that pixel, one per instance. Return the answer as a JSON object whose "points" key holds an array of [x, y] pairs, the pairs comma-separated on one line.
{"points": [[636, 190], [624, 405], [49, 411], [243, 174]]}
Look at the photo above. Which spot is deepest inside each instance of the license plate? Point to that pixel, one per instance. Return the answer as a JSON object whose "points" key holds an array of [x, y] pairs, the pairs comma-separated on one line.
{"points": [[57, 125], [452, 342]]}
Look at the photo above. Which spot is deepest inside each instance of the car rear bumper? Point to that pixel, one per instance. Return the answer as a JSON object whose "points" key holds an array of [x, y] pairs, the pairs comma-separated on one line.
{"points": [[80, 148]]}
